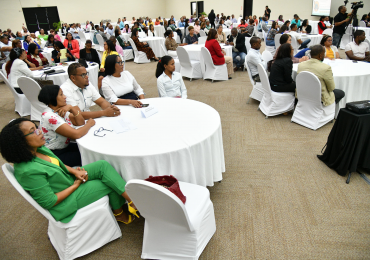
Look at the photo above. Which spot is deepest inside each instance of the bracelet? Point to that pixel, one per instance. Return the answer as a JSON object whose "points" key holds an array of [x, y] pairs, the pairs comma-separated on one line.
{"points": [[77, 113]]}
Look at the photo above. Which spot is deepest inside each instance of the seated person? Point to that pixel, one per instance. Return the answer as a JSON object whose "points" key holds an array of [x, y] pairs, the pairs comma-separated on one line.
{"points": [[126, 29], [270, 38], [35, 57], [121, 42], [50, 41], [237, 40], [80, 92], [169, 82], [157, 22], [281, 70], [221, 36], [297, 36], [358, 49], [150, 22], [283, 29], [74, 32], [286, 38], [264, 25], [296, 21], [331, 52], [72, 45], [55, 186], [55, 54], [89, 54], [19, 36], [217, 54], [27, 41], [25, 31], [191, 38], [110, 30], [196, 27], [141, 46], [322, 26], [174, 28], [323, 71], [119, 87], [171, 44], [250, 28], [58, 123], [109, 49], [254, 58], [16, 44], [56, 36], [102, 34], [118, 47], [242, 24], [42, 35], [5, 47], [305, 27], [302, 53], [151, 31]]}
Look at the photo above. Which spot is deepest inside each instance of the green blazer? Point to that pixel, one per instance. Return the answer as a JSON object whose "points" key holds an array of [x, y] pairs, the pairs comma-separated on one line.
{"points": [[43, 179]]}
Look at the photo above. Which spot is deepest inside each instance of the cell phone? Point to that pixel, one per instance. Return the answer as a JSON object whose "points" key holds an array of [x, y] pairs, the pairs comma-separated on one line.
{"points": [[144, 105], [354, 61]]}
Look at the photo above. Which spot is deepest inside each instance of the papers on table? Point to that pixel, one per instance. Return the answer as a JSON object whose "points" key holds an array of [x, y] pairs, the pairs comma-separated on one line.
{"points": [[122, 125], [63, 56], [149, 111]]}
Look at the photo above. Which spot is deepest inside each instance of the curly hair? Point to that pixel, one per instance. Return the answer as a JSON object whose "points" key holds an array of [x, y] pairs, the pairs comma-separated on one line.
{"points": [[13, 144]]}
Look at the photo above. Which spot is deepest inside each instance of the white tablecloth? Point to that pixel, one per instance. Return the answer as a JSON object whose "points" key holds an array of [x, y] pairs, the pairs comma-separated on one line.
{"points": [[47, 53], [194, 50], [352, 78], [159, 30], [315, 26], [183, 139], [157, 45], [315, 39], [59, 79]]}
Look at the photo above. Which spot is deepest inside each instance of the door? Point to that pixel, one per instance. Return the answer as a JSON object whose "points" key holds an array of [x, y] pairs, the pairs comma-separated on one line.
{"points": [[200, 8], [247, 8], [193, 8], [41, 18]]}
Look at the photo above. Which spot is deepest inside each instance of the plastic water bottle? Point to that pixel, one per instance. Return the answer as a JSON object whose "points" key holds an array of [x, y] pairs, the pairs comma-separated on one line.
{"points": [[52, 62]]}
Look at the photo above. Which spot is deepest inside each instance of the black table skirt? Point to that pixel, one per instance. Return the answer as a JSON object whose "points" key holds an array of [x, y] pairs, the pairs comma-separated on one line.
{"points": [[348, 146]]}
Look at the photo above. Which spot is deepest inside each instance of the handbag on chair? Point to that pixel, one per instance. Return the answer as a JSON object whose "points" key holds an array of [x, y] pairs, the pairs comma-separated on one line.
{"points": [[170, 183]]}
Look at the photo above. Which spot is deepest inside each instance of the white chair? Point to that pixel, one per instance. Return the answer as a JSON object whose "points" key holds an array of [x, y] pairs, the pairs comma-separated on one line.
{"points": [[99, 56], [100, 40], [142, 35], [202, 40], [91, 228], [273, 103], [211, 71], [368, 42], [247, 43], [362, 24], [173, 230], [256, 32], [277, 40], [347, 37], [37, 33], [257, 91], [267, 56], [264, 34], [189, 68], [187, 30], [31, 89], [140, 57], [328, 32], [82, 39], [309, 111], [184, 40], [202, 33], [295, 45], [22, 105]]}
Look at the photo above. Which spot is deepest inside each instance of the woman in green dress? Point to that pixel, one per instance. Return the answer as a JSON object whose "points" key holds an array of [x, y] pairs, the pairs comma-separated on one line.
{"points": [[42, 35], [60, 189]]}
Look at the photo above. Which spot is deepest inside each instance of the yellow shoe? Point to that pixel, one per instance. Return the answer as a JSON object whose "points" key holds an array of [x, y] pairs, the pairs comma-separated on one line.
{"points": [[130, 218], [132, 210]]}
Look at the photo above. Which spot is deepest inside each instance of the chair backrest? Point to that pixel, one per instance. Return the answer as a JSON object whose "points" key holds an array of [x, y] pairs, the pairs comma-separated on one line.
{"points": [[368, 42], [82, 36], [187, 30], [15, 93], [99, 56], [267, 56], [207, 58], [362, 24], [202, 33], [349, 29], [264, 34], [100, 40], [295, 45], [249, 72], [156, 202], [202, 40], [9, 173], [183, 56], [184, 40], [308, 88], [142, 35], [264, 81], [277, 40], [247, 43], [328, 32], [31, 90]]}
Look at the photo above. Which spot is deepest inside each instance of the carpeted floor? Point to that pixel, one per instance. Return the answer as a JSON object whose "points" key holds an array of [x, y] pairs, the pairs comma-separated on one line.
{"points": [[276, 200]]}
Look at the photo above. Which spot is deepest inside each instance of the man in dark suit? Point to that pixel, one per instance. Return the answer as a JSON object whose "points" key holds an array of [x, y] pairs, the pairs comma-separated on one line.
{"points": [[237, 40]]}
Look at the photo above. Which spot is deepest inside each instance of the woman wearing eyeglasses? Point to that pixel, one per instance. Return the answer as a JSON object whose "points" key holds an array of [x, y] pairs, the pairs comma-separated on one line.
{"points": [[58, 123], [57, 187], [120, 87]]}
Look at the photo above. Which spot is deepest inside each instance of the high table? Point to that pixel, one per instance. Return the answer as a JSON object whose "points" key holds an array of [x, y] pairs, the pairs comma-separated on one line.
{"points": [[194, 50], [157, 45], [59, 79], [352, 78], [183, 139]]}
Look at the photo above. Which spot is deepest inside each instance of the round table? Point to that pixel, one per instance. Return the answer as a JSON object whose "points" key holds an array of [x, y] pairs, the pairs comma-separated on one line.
{"points": [[157, 45], [315, 39], [352, 78], [194, 50], [59, 79], [183, 139]]}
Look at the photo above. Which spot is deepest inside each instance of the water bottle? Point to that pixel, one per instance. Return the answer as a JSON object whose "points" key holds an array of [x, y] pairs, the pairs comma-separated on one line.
{"points": [[52, 62]]}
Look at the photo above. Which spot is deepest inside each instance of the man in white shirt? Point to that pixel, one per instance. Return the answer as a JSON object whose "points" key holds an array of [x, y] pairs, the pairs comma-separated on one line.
{"points": [[5, 48], [297, 36], [74, 32], [80, 92], [254, 58], [233, 19], [358, 49]]}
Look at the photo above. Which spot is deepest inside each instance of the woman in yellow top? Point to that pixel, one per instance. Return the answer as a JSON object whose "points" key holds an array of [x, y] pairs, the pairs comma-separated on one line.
{"points": [[110, 49], [331, 52], [150, 22]]}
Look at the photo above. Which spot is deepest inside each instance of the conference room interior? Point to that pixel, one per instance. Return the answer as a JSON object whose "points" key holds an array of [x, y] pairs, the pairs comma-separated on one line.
{"points": [[276, 200]]}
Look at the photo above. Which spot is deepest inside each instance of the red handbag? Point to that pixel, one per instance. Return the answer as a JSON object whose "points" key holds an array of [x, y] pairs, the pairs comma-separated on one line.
{"points": [[170, 183]]}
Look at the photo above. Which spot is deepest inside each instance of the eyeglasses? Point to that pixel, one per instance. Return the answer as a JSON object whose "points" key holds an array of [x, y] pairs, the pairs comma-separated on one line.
{"points": [[37, 131], [119, 62], [101, 129], [83, 75]]}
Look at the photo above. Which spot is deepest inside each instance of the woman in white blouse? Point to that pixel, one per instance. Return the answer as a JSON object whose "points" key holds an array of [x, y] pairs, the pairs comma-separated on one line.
{"points": [[58, 123], [169, 82], [120, 87]]}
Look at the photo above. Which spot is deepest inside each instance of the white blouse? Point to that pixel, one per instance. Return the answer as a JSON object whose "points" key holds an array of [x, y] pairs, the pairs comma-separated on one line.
{"points": [[50, 121], [19, 68], [174, 87], [114, 87]]}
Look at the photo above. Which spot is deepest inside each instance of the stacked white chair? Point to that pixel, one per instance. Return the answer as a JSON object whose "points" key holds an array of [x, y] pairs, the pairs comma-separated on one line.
{"points": [[202, 40], [140, 57], [91, 228], [100, 40], [173, 230], [22, 105], [328, 32], [31, 89], [277, 40], [247, 43], [189, 68], [309, 111], [273, 103], [211, 71], [202, 33], [257, 91]]}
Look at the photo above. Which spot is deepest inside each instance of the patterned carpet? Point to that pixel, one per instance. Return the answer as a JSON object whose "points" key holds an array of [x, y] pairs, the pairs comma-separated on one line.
{"points": [[276, 201]]}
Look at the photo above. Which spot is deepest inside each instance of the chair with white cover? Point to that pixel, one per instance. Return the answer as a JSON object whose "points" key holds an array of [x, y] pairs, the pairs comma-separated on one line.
{"points": [[273, 103], [361, 24], [277, 40], [189, 68], [140, 57], [202, 40], [142, 35], [91, 228], [247, 43], [82, 39], [368, 42], [257, 91], [328, 32], [257, 33], [267, 56], [22, 105], [295, 45], [310, 112], [100, 40], [202, 33], [31, 89], [347, 37], [212, 71], [173, 230]]}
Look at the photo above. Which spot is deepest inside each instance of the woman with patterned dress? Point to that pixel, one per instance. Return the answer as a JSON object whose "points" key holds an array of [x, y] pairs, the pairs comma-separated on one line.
{"points": [[142, 46]]}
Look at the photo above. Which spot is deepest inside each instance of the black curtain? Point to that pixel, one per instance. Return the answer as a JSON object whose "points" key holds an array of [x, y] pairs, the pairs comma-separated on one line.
{"points": [[247, 8], [41, 18]]}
